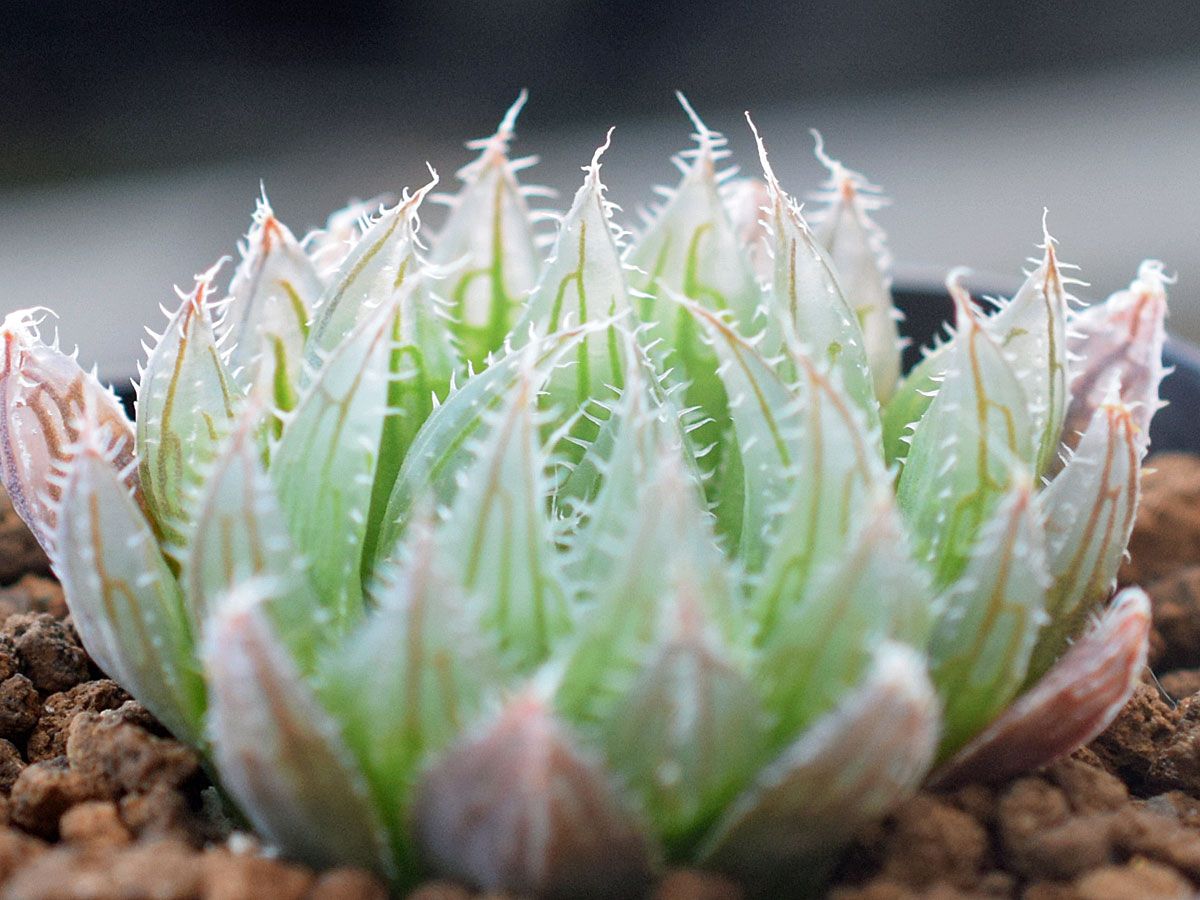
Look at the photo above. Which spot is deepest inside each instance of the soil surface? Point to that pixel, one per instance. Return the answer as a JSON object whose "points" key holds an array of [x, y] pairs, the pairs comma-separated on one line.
{"points": [[97, 801]]}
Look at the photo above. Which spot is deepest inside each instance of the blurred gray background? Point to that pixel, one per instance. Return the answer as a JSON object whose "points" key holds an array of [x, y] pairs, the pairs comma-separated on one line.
{"points": [[133, 136]]}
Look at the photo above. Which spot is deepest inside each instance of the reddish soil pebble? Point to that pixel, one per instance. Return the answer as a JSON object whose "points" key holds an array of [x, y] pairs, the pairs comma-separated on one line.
{"points": [[97, 801]]}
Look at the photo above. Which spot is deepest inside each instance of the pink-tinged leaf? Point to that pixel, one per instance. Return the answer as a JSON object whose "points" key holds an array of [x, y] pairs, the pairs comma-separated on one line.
{"points": [[280, 753], [857, 247], [185, 405], [747, 201], [1076, 700], [43, 395], [1119, 340], [123, 598], [849, 768], [519, 807], [690, 732], [270, 298], [1089, 510]]}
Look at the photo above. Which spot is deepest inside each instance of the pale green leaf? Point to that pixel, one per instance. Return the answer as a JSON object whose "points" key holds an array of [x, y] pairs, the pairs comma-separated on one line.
{"points": [[1089, 511], [124, 601], [973, 436], [848, 769], [413, 676], [185, 404], [280, 755], [488, 239], [857, 249], [981, 644]]}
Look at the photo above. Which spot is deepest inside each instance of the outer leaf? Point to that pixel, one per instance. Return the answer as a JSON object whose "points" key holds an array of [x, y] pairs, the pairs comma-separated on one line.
{"points": [[848, 769], [668, 543], [690, 732], [441, 449], [43, 395], [837, 469], [185, 404], [519, 807], [269, 298], [1089, 510], [982, 642], [489, 234], [279, 752], [823, 638], [1120, 340], [369, 274], [124, 600], [239, 534], [324, 467], [411, 678], [807, 301], [857, 248], [1076, 700], [970, 440]]}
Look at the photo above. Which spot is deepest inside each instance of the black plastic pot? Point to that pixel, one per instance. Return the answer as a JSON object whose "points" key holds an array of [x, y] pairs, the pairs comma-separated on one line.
{"points": [[1175, 427], [926, 306]]}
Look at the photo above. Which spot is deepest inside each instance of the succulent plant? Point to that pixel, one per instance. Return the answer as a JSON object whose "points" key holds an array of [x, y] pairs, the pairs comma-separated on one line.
{"points": [[542, 573]]}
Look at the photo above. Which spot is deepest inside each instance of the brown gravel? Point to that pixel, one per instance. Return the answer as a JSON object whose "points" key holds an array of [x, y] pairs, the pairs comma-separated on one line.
{"points": [[96, 801]]}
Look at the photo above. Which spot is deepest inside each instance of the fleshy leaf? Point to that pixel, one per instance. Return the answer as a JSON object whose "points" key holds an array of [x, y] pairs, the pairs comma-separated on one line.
{"points": [[369, 274], [669, 540], [691, 247], [328, 247], [43, 395], [823, 636], [844, 772], [1122, 339], [324, 467], [280, 754], [857, 248], [1089, 510], [239, 533], [838, 468], [124, 601], [689, 734], [981, 644], [265, 321], [185, 404], [499, 532], [1076, 700], [440, 450], [605, 487], [517, 806], [764, 407], [413, 676], [747, 201], [489, 238], [583, 282], [806, 301], [974, 435], [1030, 330]]}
